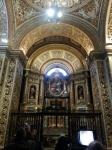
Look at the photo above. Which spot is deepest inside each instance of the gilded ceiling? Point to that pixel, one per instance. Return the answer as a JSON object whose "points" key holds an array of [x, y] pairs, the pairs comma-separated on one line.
{"points": [[84, 22], [60, 53], [27, 9], [56, 29], [68, 5]]}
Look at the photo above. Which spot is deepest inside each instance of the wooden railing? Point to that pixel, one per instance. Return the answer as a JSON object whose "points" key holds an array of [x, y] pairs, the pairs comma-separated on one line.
{"points": [[77, 120]]}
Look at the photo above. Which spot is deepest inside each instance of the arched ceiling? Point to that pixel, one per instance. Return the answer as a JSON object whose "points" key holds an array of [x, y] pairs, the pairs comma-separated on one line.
{"points": [[57, 54], [83, 24], [52, 29], [29, 16]]}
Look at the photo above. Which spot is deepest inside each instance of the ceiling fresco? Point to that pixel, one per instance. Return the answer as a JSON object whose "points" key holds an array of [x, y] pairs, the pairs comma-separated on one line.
{"points": [[88, 10], [68, 5]]}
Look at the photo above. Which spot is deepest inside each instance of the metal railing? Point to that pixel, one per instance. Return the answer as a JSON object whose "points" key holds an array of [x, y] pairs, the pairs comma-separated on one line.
{"points": [[77, 120]]}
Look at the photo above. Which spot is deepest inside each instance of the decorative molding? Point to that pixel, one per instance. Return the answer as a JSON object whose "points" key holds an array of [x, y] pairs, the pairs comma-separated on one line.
{"points": [[60, 55], [106, 106], [17, 87], [23, 12], [91, 12], [43, 31], [7, 100], [95, 86]]}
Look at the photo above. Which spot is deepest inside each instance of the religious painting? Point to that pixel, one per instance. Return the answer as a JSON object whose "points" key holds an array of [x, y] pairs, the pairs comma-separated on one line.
{"points": [[32, 93], [80, 92], [56, 86]]}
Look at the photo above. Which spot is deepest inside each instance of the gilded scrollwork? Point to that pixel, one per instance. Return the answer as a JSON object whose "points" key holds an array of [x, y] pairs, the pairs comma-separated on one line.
{"points": [[105, 101], [6, 99], [109, 72], [59, 54], [17, 87], [23, 12], [110, 24], [45, 56], [79, 79], [90, 12], [52, 29], [95, 89]]}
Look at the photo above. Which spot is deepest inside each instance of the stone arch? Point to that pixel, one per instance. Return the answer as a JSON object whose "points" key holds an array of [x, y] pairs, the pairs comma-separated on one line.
{"points": [[57, 53]]}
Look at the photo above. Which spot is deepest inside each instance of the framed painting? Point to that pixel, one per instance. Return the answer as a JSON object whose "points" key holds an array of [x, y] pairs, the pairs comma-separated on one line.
{"points": [[56, 86]]}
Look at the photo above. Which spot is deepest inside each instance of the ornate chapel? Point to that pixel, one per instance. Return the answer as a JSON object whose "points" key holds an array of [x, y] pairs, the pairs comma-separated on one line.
{"points": [[56, 71]]}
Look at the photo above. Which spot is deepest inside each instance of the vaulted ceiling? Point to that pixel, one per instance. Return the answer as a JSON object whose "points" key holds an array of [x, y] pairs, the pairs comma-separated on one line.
{"points": [[85, 26]]}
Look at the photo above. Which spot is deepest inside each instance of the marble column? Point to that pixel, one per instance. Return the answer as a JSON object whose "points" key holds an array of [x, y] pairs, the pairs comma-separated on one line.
{"points": [[100, 91]]}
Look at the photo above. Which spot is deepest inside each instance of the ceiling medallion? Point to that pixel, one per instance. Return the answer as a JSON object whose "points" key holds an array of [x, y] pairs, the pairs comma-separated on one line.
{"points": [[68, 5]]}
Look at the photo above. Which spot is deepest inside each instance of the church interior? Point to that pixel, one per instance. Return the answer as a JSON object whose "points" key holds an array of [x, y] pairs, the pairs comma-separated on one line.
{"points": [[56, 71]]}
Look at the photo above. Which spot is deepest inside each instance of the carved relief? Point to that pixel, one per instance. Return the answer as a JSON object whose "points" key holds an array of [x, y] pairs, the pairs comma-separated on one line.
{"points": [[57, 54], [36, 65], [45, 56], [60, 3], [77, 65], [23, 12], [87, 9], [79, 79], [110, 24], [95, 88], [105, 101], [7, 99], [69, 57], [91, 12], [17, 87], [109, 71], [52, 29]]}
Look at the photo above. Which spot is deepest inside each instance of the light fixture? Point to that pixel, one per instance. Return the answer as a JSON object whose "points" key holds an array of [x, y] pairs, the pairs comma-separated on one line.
{"points": [[54, 14], [4, 40]]}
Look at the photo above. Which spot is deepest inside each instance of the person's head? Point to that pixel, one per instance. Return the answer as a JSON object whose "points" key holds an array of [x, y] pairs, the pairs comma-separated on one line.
{"points": [[27, 128], [21, 134], [95, 145], [62, 135]]}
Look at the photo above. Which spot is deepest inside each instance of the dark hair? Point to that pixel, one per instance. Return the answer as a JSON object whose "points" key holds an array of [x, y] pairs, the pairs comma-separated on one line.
{"points": [[96, 145], [21, 134]]}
